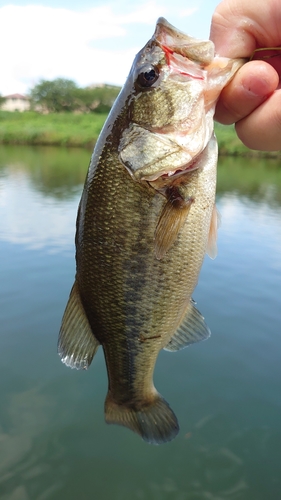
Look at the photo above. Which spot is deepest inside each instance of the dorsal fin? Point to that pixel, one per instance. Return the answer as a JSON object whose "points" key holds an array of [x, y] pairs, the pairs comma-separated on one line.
{"points": [[192, 329], [77, 344]]}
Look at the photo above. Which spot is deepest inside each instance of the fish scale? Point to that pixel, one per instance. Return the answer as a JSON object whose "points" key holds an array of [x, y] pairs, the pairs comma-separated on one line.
{"points": [[146, 218]]}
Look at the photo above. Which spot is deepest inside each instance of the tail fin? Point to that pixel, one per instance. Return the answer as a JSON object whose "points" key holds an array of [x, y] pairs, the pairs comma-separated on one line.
{"points": [[155, 422]]}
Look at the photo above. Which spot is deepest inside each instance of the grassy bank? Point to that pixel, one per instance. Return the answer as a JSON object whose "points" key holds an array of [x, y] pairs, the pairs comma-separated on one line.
{"points": [[54, 129], [68, 129], [230, 145]]}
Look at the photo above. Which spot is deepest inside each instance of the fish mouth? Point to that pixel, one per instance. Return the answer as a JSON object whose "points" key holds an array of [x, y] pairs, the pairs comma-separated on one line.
{"points": [[181, 174], [175, 41], [173, 174], [180, 171], [148, 156]]}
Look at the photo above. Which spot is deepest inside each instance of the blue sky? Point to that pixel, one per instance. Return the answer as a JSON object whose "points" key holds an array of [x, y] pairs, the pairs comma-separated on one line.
{"points": [[89, 41]]}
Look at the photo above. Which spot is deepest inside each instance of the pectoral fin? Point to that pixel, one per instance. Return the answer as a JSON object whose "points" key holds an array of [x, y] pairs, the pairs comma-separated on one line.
{"points": [[213, 234], [170, 223], [192, 329], [77, 344]]}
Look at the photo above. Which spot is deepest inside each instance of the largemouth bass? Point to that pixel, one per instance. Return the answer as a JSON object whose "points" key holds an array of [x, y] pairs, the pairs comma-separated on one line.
{"points": [[145, 220]]}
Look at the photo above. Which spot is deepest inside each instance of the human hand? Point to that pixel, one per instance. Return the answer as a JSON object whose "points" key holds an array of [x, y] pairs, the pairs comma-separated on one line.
{"points": [[252, 100]]}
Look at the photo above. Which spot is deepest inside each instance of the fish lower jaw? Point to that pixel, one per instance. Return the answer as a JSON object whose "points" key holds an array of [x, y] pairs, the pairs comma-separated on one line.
{"points": [[164, 178], [181, 170]]}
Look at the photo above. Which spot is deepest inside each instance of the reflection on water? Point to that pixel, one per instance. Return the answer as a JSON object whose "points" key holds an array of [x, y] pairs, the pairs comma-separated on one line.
{"points": [[54, 443], [52, 171], [257, 179], [28, 415], [34, 184]]}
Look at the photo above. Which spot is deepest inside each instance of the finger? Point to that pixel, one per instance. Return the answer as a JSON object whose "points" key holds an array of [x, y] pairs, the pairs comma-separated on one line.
{"points": [[228, 38], [239, 27], [261, 129], [252, 84]]}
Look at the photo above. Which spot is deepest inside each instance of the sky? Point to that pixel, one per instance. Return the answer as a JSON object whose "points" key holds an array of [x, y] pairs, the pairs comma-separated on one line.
{"points": [[89, 41]]}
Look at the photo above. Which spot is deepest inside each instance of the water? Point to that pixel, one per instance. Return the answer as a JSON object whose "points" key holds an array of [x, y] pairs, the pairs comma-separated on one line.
{"points": [[54, 444]]}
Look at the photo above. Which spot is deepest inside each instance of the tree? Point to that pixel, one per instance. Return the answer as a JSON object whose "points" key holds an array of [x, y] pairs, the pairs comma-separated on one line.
{"points": [[97, 98], [64, 95], [54, 96]]}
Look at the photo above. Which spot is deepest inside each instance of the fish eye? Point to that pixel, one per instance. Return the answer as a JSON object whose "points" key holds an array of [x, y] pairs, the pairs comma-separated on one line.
{"points": [[148, 75]]}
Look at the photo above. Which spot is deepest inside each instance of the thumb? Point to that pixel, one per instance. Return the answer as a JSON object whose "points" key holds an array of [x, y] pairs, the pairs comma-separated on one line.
{"points": [[229, 32]]}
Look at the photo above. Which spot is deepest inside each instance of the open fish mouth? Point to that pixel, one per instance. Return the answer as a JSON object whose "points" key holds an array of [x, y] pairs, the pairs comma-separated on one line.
{"points": [[179, 175], [149, 156], [175, 41], [174, 174]]}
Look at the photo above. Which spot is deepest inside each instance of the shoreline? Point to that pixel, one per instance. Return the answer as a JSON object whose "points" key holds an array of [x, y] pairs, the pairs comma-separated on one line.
{"points": [[82, 130]]}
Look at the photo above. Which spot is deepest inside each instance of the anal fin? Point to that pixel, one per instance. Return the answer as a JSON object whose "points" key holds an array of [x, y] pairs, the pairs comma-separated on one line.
{"points": [[77, 344], [192, 329]]}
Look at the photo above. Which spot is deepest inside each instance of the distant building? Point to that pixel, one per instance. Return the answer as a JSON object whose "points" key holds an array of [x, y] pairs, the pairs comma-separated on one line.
{"points": [[15, 102]]}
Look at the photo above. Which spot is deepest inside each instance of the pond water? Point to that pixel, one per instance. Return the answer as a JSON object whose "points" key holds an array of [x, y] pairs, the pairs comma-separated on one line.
{"points": [[226, 392]]}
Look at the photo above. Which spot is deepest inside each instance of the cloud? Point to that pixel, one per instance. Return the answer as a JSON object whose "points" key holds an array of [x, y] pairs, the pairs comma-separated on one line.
{"points": [[189, 12], [46, 42]]}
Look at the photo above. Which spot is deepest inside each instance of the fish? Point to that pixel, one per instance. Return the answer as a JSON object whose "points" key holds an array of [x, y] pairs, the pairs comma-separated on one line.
{"points": [[145, 220]]}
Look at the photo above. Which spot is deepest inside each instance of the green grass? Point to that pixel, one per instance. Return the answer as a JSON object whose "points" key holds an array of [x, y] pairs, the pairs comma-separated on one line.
{"points": [[57, 129], [69, 129], [229, 144]]}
